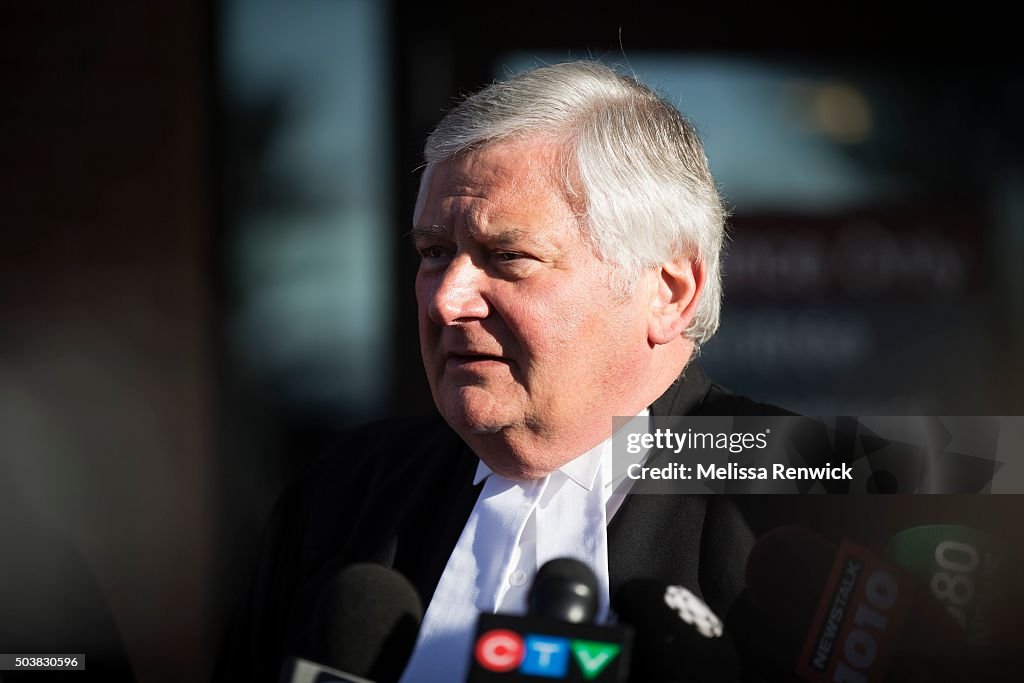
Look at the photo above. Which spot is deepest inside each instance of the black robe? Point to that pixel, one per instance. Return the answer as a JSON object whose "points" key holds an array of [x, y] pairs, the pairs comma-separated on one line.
{"points": [[398, 493]]}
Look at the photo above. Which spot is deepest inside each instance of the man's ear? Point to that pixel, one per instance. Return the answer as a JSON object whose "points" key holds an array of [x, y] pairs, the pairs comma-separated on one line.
{"points": [[679, 284]]}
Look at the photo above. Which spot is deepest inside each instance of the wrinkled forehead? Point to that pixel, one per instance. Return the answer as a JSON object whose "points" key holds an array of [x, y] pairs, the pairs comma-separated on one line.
{"points": [[513, 170]]}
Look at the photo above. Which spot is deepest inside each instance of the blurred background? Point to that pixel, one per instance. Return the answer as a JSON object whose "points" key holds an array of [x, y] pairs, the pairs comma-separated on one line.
{"points": [[203, 276]]}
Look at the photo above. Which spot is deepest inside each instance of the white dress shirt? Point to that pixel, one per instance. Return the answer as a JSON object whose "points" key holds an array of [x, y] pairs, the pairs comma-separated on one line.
{"points": [[582, 473], [514, 529]]}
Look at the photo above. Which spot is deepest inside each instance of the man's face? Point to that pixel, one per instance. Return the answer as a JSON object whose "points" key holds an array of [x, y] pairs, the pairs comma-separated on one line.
{"points": [[520, 331]]}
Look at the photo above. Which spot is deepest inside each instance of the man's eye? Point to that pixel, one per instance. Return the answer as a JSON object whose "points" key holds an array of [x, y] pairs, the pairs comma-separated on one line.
{"points": [[431, 253], [507, 256]]}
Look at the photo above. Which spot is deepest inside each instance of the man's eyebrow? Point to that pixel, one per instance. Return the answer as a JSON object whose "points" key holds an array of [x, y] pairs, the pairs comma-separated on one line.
{"points": [[504, 236], [508, 236], [424, 232]]}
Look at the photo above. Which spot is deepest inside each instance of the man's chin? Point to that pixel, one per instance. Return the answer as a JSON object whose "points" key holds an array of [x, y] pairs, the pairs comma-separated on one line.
{"points": [[469, 422], [472, 410]]}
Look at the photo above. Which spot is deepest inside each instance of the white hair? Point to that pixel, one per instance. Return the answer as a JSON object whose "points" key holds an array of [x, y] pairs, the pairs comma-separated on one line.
{"points": [[637, 162]]}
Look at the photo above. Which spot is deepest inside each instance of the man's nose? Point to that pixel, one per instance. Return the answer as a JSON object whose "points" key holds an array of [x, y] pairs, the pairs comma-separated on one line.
{"points": [[459, 297]]}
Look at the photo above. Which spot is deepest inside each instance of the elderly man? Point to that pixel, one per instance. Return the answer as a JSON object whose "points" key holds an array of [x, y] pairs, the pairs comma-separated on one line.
{"points": [[570, 235]]}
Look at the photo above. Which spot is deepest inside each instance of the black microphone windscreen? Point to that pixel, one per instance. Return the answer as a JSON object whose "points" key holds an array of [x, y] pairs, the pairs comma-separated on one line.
{"points": [[677, 636], [786, 572], [564, 590], [366, 622]]}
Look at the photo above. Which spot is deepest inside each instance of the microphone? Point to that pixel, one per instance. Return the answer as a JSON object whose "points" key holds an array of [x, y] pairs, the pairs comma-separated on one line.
{"points": [[967, 572], [564, 590], [677, 636], [299, 670], [845, 615], [364, 627], [557, 639], [957, 563]]}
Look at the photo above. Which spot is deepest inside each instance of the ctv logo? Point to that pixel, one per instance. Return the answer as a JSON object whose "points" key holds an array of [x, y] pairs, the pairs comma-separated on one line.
{"points": [[503, 651]]}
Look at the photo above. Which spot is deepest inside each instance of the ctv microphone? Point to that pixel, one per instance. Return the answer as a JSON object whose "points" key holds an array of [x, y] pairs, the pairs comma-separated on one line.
{"points": [[850, 616], [564, 590], [677, 636], [364, 627], [557, 639]]}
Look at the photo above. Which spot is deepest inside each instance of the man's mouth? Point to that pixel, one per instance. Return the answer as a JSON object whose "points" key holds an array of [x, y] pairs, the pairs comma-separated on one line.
{"points": [[471, 357]]}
